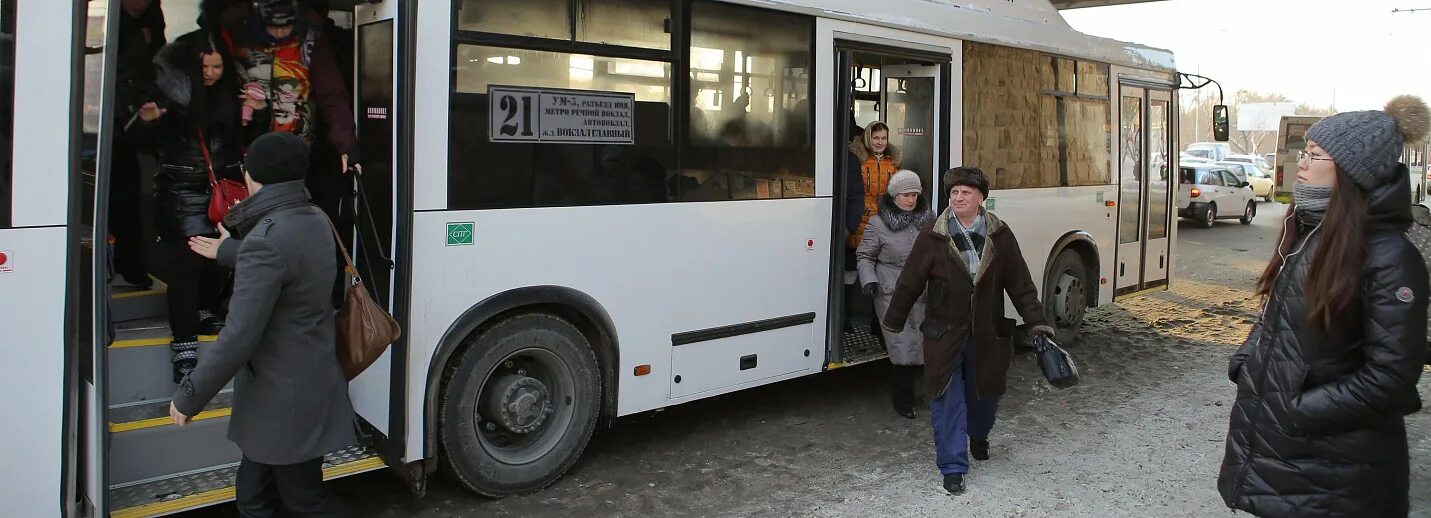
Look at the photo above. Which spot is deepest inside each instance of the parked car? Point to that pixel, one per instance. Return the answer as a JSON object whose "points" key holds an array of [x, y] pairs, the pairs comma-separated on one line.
{"points": [[1216, 151], [1261, 182], [1256, 160], [1208, 192]]}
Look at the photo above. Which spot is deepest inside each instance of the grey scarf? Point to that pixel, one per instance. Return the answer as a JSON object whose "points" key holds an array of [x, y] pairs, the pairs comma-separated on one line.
{"points": [[1311, 201], [970, 240]]}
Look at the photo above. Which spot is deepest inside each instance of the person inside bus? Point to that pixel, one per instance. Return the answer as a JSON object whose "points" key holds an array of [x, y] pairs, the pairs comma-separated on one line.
{"points": [[887, 241], [290, 399], [1330, 369], [968, 258], [194, 133], [877, 160], [282, 57], [141, 35]]}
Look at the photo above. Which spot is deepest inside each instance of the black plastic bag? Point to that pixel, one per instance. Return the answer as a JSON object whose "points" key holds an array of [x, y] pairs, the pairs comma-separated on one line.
{"points": [[1057, 366]]}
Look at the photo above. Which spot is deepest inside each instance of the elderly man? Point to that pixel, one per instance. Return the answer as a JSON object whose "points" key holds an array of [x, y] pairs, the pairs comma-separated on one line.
{"points": [[290, 397], [968, 259]]}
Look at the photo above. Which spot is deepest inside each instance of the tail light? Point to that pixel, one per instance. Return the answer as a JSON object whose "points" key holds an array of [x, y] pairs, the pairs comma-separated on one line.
{"points": [[1196, 192]]}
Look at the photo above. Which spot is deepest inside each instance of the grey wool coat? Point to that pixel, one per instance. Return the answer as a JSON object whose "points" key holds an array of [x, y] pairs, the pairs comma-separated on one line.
{"points": [[290, 397], [883, 250]]}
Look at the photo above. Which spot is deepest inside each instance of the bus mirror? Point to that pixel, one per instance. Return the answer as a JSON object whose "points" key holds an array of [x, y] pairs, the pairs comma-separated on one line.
{"points": [[1219, 123]]}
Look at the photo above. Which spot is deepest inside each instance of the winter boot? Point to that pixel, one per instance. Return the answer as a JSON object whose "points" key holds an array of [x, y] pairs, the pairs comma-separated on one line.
{"points": [[902, 389], [209, 323], [954, 483], [186, 356], [979, 449]]}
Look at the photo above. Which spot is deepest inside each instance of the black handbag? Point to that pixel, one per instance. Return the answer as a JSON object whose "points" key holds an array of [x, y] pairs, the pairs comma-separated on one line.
{"points": [[1057, 366]]}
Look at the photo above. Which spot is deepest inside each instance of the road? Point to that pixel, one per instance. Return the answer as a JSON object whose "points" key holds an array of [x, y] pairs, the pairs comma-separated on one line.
{"points": [[1141, 436]]}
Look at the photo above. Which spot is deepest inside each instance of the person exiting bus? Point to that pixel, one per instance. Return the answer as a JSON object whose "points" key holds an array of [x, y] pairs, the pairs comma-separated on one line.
{"points": [[195, 133], [290, 402], [1332, 364], [141, 35], [969, 259], [888, 239], [878, 160], [284, 58]]}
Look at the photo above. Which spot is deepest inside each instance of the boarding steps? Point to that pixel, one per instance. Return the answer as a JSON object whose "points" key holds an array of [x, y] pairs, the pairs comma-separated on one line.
{"points": [[156, 468]]}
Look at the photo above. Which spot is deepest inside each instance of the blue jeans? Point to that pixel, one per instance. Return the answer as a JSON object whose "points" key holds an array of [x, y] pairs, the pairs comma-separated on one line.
{"points": [[958, 416]]}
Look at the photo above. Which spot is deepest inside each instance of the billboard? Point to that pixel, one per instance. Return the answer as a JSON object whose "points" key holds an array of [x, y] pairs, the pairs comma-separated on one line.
{"points": [[1263, 116]]}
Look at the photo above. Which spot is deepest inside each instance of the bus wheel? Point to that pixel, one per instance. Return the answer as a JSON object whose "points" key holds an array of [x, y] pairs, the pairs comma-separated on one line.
{"points": [[1065, 299], [519, 405]]}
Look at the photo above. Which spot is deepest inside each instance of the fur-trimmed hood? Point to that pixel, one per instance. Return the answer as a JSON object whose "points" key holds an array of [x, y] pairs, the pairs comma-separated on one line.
{"points": [[861, 152], [169, 76], [898, 219]]}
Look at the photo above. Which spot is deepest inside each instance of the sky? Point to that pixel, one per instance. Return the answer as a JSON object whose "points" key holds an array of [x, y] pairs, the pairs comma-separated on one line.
{"points": [[1351, 54]]}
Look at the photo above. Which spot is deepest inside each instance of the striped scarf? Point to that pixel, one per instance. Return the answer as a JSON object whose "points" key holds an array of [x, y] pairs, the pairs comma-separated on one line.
{"points": [[969, 240]]}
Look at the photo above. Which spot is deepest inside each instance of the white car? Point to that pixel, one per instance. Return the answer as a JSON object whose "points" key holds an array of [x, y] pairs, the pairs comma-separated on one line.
{"points": [[1208, 192], [1256, 160], [1261, 182]]}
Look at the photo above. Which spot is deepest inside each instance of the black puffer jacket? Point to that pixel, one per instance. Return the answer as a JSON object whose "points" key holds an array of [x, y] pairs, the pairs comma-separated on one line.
{"points": [[181, 183], [1317, 428]]}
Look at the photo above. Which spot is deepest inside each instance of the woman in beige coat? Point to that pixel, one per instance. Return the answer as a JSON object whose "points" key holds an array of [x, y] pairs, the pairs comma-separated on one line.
{"points": [[902, 212]]}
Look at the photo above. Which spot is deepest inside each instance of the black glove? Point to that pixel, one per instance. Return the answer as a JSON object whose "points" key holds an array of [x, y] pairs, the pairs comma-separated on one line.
{"points": [[872, 289]]}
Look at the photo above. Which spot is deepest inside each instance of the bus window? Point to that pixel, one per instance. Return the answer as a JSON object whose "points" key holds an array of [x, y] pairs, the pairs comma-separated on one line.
{"points": [[630, 23], [750, 116], [1034, 120], [7, 108], [484, 174]]}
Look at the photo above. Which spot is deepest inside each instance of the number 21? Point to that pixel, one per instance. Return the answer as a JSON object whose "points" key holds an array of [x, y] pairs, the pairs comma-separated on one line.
{"points": [[509, 104]]}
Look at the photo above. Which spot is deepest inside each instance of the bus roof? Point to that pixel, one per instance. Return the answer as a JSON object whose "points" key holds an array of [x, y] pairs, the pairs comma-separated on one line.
{"points": [[1032, 24]]}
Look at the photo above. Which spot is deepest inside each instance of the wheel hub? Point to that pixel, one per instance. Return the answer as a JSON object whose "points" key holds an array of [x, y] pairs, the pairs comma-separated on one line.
{"points": [[1069, 303], [519, 403]]}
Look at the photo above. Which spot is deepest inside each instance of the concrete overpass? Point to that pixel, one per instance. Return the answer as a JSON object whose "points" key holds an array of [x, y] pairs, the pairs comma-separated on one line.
{"points": [[1076, 4]]}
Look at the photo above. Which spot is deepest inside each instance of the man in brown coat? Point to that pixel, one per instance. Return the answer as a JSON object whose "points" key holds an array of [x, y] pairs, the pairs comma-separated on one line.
{"points": [[968, 259]]}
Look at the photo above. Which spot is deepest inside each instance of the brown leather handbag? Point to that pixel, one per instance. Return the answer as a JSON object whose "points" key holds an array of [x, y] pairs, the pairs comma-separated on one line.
{"points": [[364, 329]]}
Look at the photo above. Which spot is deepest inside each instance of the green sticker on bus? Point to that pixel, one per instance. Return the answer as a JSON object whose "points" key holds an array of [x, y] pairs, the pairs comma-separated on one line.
{"points": [[989, 204], [459, 234]]}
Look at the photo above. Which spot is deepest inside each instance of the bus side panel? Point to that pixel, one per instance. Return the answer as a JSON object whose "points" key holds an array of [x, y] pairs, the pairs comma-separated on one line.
{"points": [[32, 338], [657, 270], [1030, 213]]}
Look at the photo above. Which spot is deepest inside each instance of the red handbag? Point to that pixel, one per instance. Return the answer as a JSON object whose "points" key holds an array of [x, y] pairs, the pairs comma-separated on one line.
{"points": [[225, 193]]}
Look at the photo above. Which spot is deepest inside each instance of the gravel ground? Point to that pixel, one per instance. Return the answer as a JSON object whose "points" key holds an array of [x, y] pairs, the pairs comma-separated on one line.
{"points": [[1141, 436]]}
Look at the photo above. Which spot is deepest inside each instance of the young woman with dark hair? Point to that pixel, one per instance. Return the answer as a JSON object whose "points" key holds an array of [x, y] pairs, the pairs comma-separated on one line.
{"points": [[1330, 369]]}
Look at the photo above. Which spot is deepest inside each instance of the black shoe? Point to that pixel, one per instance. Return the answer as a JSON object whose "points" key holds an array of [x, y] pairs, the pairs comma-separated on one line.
{"points": [[209, 323], [907, 413], [979, 449], [954, 483]]}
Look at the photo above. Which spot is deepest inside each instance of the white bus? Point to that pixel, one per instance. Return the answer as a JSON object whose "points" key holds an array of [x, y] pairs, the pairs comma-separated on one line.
{"points": [[583, 210]]}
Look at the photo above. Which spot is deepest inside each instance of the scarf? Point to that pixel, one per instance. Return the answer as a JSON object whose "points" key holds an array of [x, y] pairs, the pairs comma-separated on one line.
{"points": [[1311, 201], [268, 200], [970, 240]]}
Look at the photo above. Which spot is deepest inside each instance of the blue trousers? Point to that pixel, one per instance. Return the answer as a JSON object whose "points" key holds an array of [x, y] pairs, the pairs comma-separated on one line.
{"points": [[960, 415]]}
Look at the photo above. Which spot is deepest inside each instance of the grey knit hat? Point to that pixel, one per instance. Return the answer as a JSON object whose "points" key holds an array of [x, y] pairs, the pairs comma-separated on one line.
{"points": [[903, 182], [1368, 144]]}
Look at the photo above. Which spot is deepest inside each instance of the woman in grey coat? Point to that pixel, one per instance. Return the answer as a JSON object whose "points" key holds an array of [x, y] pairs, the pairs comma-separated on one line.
{"points": [[903, 212]]}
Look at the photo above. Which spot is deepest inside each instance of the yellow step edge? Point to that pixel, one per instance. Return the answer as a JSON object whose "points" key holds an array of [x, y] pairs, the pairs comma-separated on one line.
{"points": [[159, 288], [222, 495], [149, 342], [166, 421], [206, 498]]}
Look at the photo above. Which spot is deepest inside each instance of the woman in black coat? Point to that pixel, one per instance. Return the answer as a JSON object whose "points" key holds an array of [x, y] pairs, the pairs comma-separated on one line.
{"points": [[193, 128], [1331, 367]]}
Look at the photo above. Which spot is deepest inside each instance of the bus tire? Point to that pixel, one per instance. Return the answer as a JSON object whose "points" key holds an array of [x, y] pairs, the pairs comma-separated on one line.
{"points": [[1065, 295], [519, 405]]}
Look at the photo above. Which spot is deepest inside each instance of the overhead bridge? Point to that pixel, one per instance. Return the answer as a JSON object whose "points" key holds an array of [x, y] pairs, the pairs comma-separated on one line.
{"points": [[1077, 4]]}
